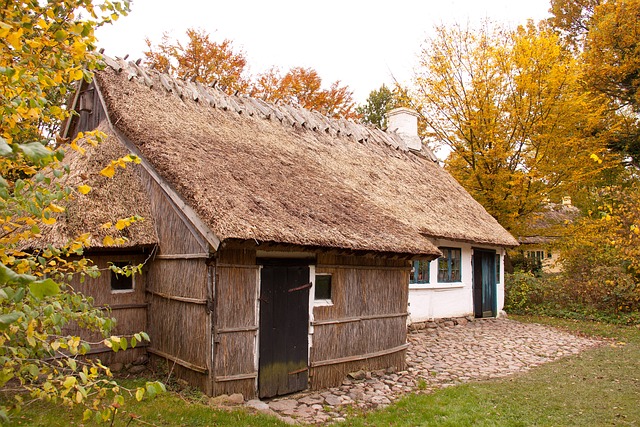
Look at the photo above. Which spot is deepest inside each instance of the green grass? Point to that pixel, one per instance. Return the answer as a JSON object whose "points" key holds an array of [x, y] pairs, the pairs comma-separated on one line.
{"points": [[167, 409], [598, 387]]}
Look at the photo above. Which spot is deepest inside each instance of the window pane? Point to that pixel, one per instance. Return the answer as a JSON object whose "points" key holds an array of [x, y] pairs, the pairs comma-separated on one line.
{"points": [[497, 268], [443, 268], [121, 282], [323, 287], [420, 272], [450, 265]]}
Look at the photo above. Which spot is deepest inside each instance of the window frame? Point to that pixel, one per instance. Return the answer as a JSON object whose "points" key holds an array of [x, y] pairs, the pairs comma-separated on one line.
{"points": [[322, 301], [415, 264], [449, 260]]}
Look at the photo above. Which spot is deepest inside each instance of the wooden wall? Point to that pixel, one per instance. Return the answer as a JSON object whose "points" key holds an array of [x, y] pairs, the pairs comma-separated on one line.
{"points": [[236, 324], [128, 308], [178, 292], [365, 327]]}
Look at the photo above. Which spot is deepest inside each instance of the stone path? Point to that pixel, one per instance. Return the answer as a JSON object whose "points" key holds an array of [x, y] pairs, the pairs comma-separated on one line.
{"points": [[440, 355]]}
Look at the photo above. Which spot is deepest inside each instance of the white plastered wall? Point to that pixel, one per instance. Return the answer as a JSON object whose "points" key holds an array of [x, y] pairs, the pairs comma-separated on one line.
{"points": [[435, 300]]}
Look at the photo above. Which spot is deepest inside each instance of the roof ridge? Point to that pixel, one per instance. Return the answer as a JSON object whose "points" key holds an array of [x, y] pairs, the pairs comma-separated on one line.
{"points": [[286, 113]]}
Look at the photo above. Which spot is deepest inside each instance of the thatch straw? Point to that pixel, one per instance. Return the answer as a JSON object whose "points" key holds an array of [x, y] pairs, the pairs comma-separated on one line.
{"points": [[110, 199], [255, 177]]}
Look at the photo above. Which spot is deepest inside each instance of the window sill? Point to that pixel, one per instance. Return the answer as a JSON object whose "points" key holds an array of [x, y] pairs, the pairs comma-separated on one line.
{"points": [[455, 285], [322, 303]]}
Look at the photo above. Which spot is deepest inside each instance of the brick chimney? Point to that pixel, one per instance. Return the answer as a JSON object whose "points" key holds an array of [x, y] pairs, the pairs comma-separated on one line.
{"points": [[404, 122]]}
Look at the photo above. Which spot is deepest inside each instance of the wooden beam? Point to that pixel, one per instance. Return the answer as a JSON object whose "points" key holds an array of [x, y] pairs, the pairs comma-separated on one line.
{"points": [[178, 298], [238, 377], [182, 256], [241, 329], [358, 319], [359, 357], [124, 306], [249, 266], [363, 267], [178, 361]]}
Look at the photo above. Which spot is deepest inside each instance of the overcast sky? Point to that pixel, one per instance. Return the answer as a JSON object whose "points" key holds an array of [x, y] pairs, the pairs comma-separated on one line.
{"points": [[362, 43]]}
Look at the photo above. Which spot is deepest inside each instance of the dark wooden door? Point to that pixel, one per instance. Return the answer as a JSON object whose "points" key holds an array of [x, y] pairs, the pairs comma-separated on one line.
{"points": [[284, 328], [484, 283]]}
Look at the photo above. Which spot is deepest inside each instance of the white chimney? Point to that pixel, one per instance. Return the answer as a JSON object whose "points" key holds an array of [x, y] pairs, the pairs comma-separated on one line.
{"points": [[404, 122]]}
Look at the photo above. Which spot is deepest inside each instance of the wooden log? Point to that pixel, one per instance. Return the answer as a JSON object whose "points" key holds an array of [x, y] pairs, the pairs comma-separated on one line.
{"points": [[180, 362], [359, 356]]}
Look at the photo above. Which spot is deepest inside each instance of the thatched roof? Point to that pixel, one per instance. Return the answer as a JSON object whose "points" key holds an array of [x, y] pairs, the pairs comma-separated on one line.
{"points": [[109, 200], [256, 171], [549, 223]]}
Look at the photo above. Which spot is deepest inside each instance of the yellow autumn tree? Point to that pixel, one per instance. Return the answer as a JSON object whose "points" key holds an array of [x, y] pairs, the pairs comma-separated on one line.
{"points": [[44, 48], [509, 106]]}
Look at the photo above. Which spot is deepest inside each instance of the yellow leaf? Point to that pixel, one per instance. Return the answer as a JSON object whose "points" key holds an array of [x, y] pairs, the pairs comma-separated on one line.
{"points": [[109, 171], [108, 241], [122, 223], [84, 189], [4, 29], [69, 382], [106, 225], [49, 221], [56, 208], [75, 74], [15, 39]]}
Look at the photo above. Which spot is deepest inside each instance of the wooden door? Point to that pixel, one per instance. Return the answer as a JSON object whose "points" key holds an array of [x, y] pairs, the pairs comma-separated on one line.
{"points": [[284, 327], [484, 283]]}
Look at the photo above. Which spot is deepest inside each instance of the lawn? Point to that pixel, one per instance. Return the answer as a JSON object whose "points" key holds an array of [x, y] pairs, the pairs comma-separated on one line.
{"points": [[597, 387]]}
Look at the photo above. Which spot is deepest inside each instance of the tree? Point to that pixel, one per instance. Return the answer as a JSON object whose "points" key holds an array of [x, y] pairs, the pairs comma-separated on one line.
{"points": [[601, 253], [44, 49], [201, 59], [612, 67], [374, 110], [572, 19], [509, 106], [303, 87]]}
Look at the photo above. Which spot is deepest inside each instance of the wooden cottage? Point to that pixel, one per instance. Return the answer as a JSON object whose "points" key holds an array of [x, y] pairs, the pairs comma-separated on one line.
{"points": [[278, 244]]}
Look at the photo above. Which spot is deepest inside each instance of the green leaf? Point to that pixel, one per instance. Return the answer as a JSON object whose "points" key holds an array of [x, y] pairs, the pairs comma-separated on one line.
{"points": [[139, 394], [151, 390], [44, 288], [36, 152], [8, 318], [5, 149], [8, 276]]}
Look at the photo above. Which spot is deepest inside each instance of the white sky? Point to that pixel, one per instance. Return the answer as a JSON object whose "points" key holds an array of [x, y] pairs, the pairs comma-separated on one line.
{"points": [[362, 43]]}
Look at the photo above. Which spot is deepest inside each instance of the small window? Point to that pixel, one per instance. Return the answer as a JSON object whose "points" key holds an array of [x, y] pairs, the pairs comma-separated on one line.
{"points": [[121, 282], [420, 271], [549, 255], [449, 265], [323, 287], [497, 268]]}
